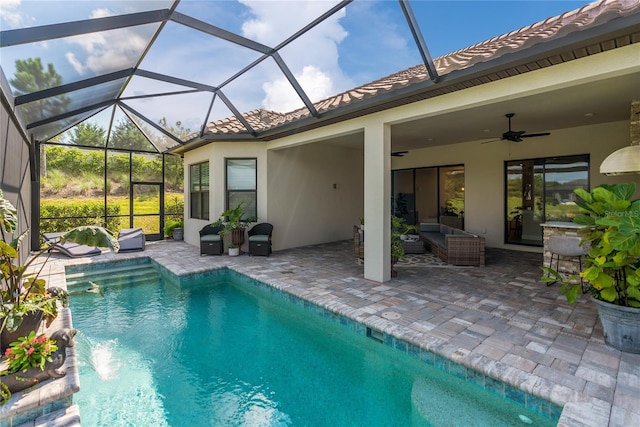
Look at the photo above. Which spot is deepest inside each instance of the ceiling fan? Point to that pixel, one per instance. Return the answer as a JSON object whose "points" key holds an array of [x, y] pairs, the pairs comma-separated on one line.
{"points": [[399, 153], [516, 135]]}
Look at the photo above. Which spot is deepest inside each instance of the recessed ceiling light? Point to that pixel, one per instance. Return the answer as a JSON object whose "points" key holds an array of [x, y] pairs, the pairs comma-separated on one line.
{"points": [[589, 114], [486, 130]]}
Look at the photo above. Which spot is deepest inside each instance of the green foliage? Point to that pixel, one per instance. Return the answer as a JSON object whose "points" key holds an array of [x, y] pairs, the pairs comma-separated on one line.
{"points": [[73, 162], [29, 352], [30, 76], [398, 229], [89, 134], [234, 219], [126, 135], [76, 214], [170, 225], [611, 223], [174, 209]]}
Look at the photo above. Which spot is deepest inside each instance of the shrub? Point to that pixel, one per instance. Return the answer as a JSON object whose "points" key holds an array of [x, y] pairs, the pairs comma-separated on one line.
{"points": [[64, 217]]}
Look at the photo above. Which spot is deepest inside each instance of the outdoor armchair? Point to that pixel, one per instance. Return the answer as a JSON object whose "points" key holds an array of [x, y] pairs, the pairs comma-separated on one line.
{"points": [[260, 239], [211, 240]]}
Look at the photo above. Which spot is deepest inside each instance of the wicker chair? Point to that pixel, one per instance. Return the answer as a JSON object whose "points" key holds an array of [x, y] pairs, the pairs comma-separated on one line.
{"points": [[211, 241], [260, 239], [358, 244]]}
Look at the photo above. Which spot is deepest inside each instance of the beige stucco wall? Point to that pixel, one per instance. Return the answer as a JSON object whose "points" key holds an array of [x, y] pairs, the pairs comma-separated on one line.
{"points": [[303, 204], [216, 155], [484, 169]]}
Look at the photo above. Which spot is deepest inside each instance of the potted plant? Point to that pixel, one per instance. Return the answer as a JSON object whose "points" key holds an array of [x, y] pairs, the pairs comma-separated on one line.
{"points": [[24, 297], [174, 228], [33, 359], [234, 223], [399, 228], [611, 228], [234, 250]]}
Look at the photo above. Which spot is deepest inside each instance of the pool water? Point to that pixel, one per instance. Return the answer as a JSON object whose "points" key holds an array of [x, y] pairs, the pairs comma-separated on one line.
{"points": [[218, 352]]}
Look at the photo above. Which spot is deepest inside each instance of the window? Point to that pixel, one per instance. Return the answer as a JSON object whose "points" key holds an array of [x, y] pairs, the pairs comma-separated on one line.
{"points": [[541, 190], [199, 177], [241, 185]]}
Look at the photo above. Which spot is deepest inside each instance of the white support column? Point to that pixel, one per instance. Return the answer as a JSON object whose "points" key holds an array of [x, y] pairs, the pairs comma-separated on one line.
{"points": [[377, 196]]}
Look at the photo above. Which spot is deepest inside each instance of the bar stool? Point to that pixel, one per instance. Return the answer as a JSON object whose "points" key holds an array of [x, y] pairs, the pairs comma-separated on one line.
{"points": [[568, 247]]}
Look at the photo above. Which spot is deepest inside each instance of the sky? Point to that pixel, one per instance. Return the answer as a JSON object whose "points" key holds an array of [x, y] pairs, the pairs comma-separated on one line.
{"points": [[363, 42]]}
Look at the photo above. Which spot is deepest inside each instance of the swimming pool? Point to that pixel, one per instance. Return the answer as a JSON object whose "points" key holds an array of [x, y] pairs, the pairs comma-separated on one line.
{"points": [[221, 349]]}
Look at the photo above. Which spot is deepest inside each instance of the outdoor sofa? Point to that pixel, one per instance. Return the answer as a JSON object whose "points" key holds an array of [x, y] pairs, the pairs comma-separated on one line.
{"points": [[452, 245]]}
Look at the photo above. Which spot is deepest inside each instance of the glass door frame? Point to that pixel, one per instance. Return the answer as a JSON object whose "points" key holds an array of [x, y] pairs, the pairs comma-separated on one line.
{"points": [[160, 214]]}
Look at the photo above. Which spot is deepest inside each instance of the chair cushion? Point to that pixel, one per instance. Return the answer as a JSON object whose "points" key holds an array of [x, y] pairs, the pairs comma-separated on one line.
{"points": [[259, 238], [210, 238]]}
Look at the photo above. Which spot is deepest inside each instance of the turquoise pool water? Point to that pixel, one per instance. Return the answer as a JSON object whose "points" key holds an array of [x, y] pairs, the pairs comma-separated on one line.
{"points": [[218, 350]]}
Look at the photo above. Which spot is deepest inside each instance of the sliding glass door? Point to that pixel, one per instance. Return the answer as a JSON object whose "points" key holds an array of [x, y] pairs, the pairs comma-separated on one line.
{"points": [[433, 194], [541, 190]]}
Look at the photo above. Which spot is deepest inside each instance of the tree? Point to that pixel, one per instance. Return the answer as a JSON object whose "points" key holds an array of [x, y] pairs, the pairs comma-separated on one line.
{"points": [[88, 134], [127, 135], [177, 130], [30, 77]]}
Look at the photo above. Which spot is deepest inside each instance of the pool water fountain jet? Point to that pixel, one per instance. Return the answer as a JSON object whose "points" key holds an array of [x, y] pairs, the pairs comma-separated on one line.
{"points": [[100, 356]]}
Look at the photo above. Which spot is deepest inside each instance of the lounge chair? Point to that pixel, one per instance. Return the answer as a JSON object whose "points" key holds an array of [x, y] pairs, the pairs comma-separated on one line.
{"points": [[73, 250], [210, 240], [260, 239], [131, 239]]}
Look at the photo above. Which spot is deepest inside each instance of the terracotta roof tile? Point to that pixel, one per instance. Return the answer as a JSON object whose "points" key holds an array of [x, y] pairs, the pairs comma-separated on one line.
{"points": [[590, 15]]}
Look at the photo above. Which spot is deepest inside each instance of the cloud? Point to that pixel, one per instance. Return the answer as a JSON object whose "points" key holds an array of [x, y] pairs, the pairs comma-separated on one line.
{"points": [[108, 51], [10, 15], [280, 95], [77, 65], [313, 58]]}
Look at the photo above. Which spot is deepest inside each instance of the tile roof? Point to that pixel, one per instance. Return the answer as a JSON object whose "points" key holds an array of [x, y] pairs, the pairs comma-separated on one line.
{"points": [[589, 16]]}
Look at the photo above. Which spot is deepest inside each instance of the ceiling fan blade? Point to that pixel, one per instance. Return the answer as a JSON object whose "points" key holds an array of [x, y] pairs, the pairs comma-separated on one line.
{"points": [[531, 135], [399, 153], [496, 139]]}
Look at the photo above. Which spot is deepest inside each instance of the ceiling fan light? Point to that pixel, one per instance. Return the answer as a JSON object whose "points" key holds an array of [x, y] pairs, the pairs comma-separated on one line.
{"points": [[626, 160], [622, 162]]}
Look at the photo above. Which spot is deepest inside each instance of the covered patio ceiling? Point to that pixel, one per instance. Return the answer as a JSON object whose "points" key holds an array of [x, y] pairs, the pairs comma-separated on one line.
{"points": [[171, 68]]}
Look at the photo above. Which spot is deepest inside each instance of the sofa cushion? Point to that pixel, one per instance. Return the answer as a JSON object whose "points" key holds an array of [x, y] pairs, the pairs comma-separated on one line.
{"points": [[429, 227], [210, 238], [434, 237], [259, 238]]}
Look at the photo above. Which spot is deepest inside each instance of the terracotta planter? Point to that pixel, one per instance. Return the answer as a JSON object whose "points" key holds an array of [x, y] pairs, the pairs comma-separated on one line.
{"points": [[237, 237], [621, 326]]}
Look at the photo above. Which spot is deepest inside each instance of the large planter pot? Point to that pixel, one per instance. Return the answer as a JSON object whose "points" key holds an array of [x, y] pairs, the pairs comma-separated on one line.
{"points": [[30, 322], [178, 234], [23, 380], [237, 236], [621, 326]]}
